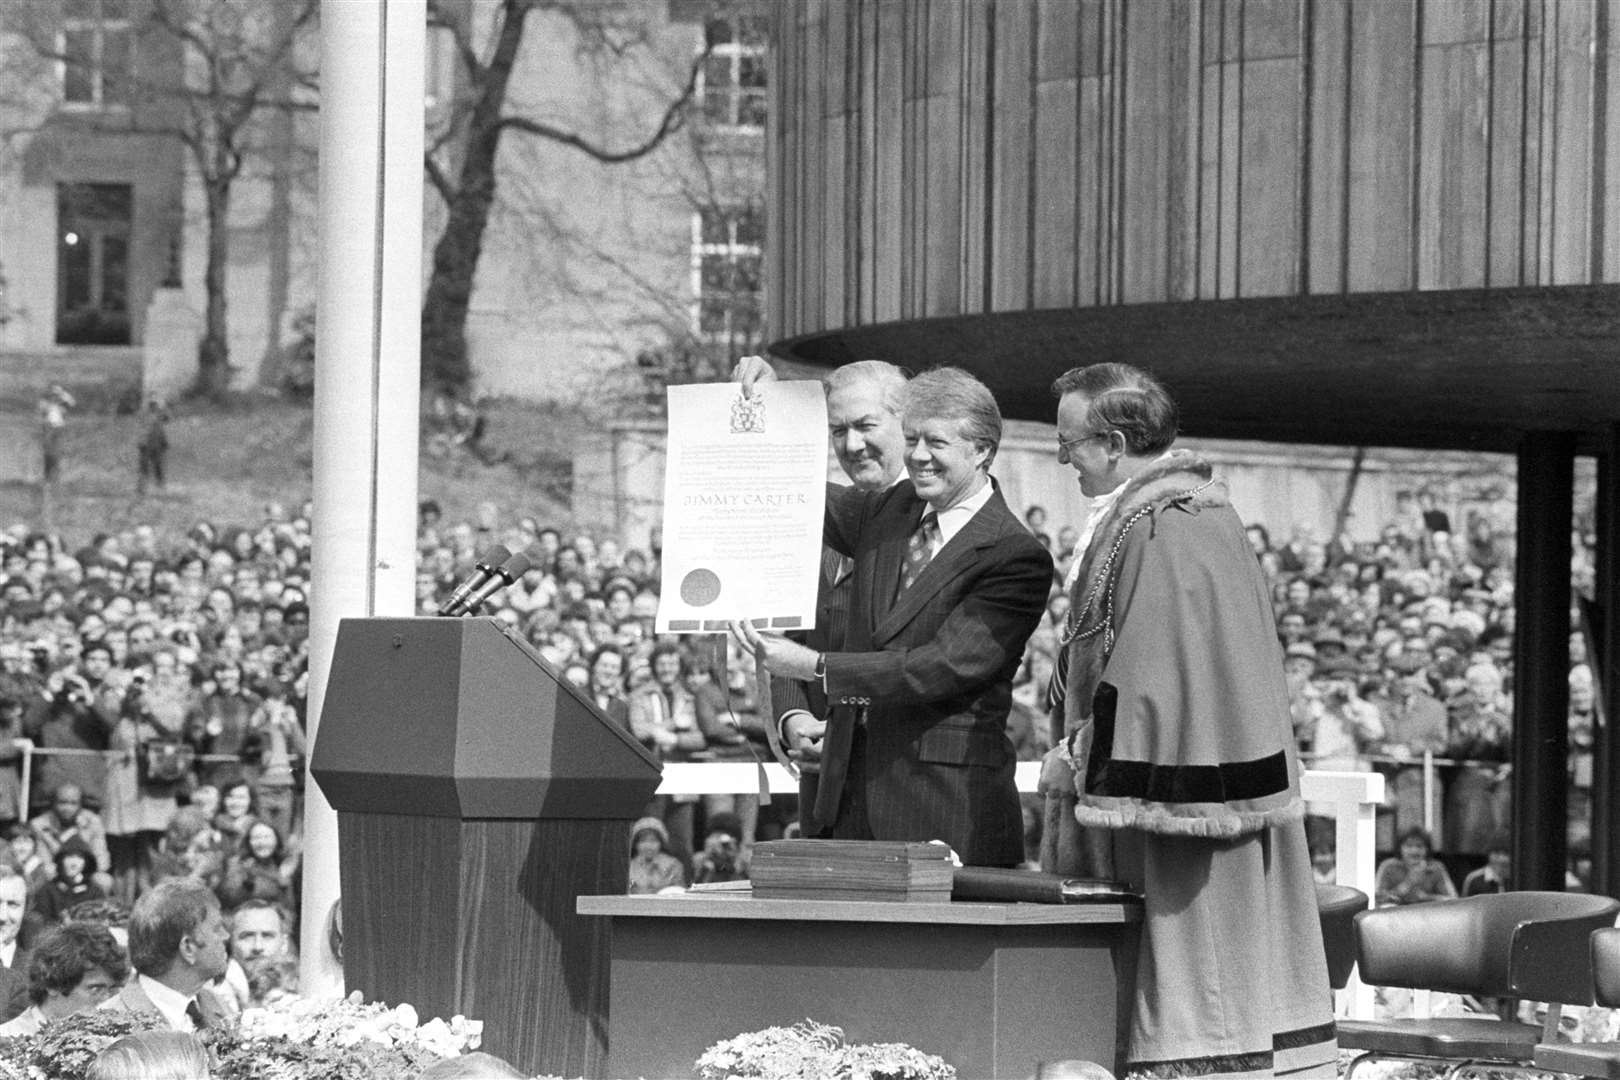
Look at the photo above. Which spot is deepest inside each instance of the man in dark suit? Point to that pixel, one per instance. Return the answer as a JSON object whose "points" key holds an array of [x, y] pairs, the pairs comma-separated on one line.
{"points": [[13, 957], [947, 587], [864, 402], [177, 946]]}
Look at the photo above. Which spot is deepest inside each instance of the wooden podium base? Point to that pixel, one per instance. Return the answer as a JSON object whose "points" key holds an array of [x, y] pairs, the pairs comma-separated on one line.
{"points": [[478, 918]]}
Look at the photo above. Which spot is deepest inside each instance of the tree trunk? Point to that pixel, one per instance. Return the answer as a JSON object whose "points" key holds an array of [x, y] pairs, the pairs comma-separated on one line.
{"points": [[213, 352], [455, 256]]}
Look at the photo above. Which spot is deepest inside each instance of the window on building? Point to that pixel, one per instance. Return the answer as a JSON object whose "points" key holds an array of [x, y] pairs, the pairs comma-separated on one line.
{"points": [[98, 53], [728, 245], [94, 223], [732, 86]]}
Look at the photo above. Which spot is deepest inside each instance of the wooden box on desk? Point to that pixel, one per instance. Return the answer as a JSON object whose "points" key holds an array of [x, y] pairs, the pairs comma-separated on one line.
{"points": [[891, 870]]}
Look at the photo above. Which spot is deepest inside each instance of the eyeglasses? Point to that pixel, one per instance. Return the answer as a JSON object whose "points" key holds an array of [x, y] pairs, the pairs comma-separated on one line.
{"points": [[1066, 446]]}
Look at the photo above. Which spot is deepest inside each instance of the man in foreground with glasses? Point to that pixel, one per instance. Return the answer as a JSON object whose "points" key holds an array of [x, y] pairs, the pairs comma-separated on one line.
{"points": [[1177, 771]]}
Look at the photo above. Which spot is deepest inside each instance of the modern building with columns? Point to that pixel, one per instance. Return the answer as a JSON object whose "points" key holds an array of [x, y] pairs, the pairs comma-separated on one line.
{"points": [[1386, 224]]}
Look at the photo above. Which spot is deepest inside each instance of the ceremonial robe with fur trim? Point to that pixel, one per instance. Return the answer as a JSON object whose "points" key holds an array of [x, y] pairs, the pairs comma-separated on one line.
{"points": [[1176, 715], [1177, 774]]}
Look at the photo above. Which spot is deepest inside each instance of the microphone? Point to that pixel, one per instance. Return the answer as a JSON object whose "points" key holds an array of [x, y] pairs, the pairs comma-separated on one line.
{"points": [[506, 573], [484, 568]]}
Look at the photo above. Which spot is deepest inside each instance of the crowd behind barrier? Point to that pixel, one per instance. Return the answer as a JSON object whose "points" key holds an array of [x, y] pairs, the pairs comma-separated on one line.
{"points": [[152, 692]]}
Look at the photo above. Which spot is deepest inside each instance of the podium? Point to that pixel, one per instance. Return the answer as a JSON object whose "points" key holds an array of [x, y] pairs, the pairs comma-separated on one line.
{"points": [[478, 795]]}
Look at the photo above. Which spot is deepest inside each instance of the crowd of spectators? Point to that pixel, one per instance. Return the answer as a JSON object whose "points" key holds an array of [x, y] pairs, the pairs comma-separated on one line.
{"points": [[161, 681]]}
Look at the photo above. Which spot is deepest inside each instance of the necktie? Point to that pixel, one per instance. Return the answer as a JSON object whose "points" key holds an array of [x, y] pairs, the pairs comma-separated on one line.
{"points": [[195, 1014], [919, 550]]}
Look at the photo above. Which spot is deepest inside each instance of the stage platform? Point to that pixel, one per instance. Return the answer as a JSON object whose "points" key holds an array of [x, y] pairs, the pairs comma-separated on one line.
{"points": [[994, 989]]}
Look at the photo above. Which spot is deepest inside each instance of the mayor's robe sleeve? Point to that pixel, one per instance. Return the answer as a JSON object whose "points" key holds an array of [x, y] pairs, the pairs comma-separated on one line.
{"points": [[1191, 730]]}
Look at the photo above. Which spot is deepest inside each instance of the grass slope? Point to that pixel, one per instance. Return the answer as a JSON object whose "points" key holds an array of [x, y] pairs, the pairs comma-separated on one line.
{"points": [[225, 463]]}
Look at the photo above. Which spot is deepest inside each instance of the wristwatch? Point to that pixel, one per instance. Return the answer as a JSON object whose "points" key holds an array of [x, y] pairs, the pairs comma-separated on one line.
{"points": [[820, 671]]}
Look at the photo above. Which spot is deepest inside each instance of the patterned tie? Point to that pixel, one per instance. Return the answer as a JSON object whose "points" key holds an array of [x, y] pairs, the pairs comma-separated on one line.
{"points": [[919, 550]]}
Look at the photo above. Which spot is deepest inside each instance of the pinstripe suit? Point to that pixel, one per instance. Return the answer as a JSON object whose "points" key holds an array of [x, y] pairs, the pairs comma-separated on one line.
{"points": [[921, 684]]}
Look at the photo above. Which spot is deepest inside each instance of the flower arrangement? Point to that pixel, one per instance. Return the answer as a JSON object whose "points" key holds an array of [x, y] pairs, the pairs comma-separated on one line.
{"points": [[338, 1039], [811, 1050], [342, 1038]]}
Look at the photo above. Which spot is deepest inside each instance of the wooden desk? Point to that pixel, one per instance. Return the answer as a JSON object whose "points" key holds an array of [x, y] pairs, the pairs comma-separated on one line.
{"points": [[991, 988]]}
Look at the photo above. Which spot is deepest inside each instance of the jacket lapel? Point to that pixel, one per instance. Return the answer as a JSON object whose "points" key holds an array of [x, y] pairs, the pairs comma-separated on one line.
{"points": [[959, 554]]}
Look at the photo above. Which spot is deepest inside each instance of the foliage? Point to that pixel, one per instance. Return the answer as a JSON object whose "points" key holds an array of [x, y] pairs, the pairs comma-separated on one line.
{"points": [[296, 377], [812, 1050], [65, 1048], [339, 1039]]}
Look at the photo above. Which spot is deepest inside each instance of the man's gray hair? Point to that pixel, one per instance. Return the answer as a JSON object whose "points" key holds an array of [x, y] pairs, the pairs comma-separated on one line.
{"points": [[889, 379], [1127, 400], [950, 393]]}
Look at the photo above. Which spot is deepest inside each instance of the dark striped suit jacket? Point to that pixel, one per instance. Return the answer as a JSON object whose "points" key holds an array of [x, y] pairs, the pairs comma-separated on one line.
{"points": [[929, 673]]}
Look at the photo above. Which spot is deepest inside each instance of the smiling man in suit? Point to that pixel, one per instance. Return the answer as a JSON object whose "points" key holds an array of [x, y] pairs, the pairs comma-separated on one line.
{"points": [[947, 586]]}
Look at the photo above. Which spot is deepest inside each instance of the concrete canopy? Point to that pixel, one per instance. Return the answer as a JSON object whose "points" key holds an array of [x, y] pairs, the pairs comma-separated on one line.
{"points": [[1474, 369]]}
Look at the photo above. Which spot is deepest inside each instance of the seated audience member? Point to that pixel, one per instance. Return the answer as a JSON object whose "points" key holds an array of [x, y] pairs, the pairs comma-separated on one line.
{"points": [[722, 857], [652, 868], [1415, 876], [68, 816], [238, 810], [13, 953], [152, 1055], [261, 869], [190, 848], [259, 929], [1496, 876], [73, 968], [36, 868], [177, 946], [72, 883]]}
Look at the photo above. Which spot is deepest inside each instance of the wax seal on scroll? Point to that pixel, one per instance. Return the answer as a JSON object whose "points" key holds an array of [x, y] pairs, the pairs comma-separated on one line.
{"points": [[748, 415], [700, 588]]}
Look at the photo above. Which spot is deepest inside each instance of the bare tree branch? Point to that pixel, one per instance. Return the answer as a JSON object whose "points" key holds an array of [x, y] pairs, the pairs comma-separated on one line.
{"points": [[673, 119]]}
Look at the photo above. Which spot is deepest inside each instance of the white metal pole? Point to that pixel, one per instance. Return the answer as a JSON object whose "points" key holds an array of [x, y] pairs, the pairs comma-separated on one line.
{"points": [[367, 372]]}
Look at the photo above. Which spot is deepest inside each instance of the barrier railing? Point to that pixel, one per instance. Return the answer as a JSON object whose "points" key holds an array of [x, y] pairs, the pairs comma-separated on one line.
{"points": [[30, 751]]}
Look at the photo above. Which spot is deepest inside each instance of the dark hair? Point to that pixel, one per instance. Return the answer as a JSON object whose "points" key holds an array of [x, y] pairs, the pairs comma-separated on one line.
{"points": [[95, 646], [1124, 399], [1416, 832], [64, 955], [166, 914]]}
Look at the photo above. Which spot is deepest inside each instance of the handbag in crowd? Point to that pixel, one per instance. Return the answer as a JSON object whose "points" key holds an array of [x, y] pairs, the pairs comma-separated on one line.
{"points": [[165, 762]]}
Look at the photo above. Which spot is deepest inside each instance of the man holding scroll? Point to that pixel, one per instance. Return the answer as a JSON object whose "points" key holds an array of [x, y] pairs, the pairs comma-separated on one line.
{"points": [[947, 587]]}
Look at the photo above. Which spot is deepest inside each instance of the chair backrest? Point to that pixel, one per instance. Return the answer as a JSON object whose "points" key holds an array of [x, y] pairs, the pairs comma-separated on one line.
{"points": [[1606, 966], [1337, 906], [1534, 945]]}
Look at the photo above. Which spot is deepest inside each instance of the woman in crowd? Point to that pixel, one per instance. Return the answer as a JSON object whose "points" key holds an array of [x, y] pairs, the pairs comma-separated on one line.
{"points": [[261, 869], [1415, 876]]}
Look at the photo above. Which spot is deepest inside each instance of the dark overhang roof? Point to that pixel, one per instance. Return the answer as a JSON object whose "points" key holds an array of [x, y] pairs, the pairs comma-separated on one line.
{"points": [[1471, 369]]}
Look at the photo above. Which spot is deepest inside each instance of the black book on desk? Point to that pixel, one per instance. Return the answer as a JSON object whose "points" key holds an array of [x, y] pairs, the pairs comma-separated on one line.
{"points": [[1033, 886]]}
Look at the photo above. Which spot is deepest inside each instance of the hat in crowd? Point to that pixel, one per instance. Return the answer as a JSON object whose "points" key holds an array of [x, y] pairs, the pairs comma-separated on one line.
{"points": [[1406, 663], [1337, 667], [1301, 648], [1328, 635], [725, 822]]}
